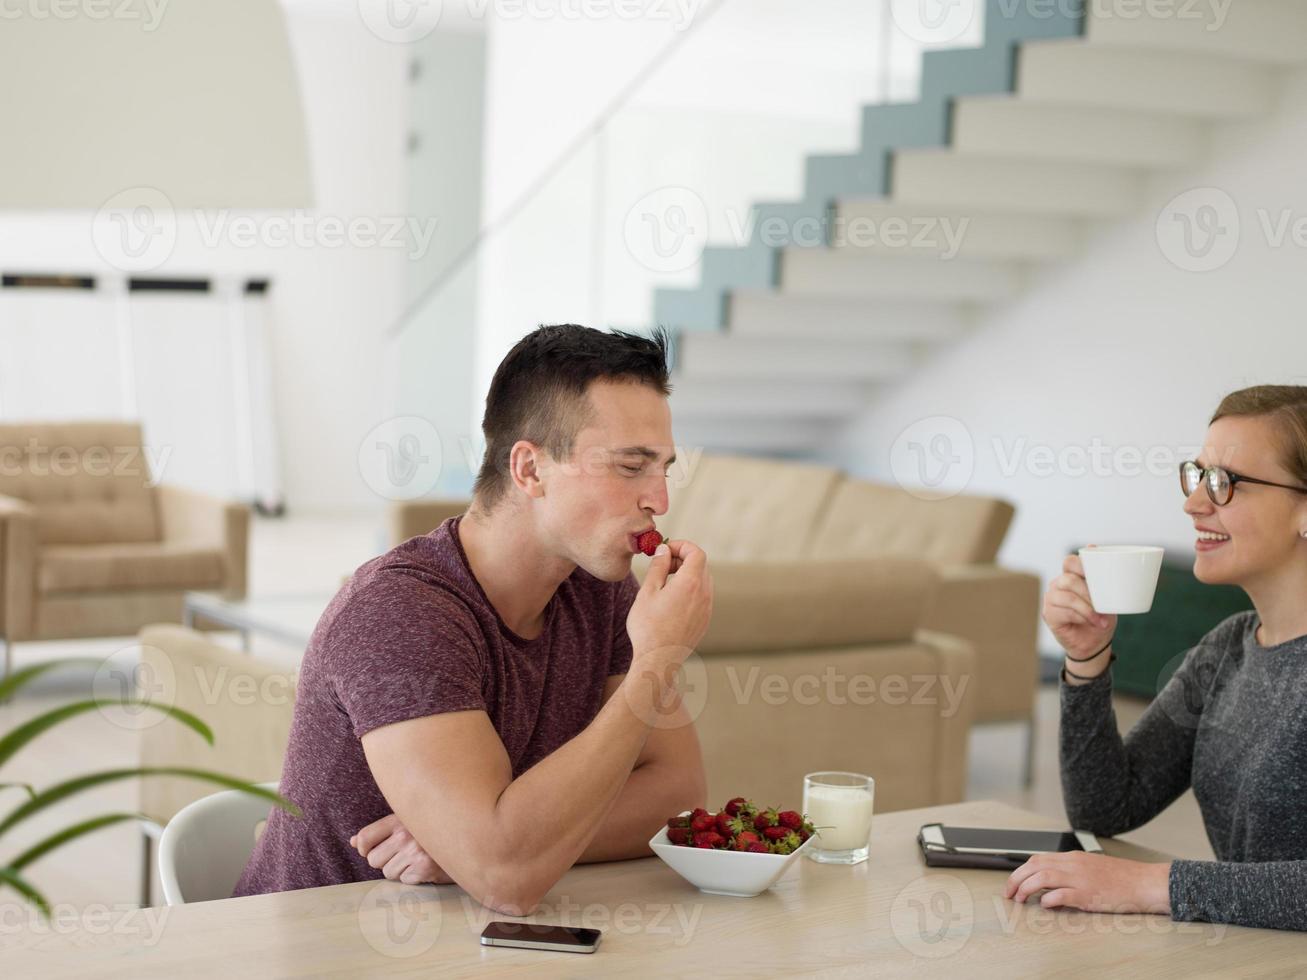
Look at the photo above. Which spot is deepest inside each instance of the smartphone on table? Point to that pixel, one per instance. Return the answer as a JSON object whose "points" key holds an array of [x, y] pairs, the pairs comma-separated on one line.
{"points": [[534, 935]]}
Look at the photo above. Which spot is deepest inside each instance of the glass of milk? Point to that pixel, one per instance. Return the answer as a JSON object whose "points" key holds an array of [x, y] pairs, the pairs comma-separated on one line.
{"points": [[839, 805]]}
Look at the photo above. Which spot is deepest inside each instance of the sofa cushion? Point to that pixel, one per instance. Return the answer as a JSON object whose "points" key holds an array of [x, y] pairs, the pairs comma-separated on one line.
{"points": [[742, 509], [99, 567], [89, 482], [795, 605], [867, 519]]}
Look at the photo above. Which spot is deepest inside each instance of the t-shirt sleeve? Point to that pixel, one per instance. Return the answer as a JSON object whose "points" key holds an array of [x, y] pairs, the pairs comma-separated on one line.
{"points": [[619, 661], [404, 649]]}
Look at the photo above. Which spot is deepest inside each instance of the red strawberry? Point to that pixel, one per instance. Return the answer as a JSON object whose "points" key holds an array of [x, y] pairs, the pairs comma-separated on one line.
{"points": [[678, 821], [649, 541], [679, 835], [744, 839], [776, 833], [733, 806], [765, 819], [788, 818], [759, 848], [709, 839], [804, 834], [703, 821], [727, 825]]}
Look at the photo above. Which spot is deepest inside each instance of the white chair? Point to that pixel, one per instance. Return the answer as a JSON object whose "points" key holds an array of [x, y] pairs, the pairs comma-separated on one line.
{"points": [[205, 847]]}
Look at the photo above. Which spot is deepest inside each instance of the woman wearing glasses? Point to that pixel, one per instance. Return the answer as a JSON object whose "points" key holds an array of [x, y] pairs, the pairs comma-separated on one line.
{"points": [[1232, 721]]}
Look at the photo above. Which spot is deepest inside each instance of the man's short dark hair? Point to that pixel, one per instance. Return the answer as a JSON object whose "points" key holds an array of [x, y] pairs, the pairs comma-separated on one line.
{"points": [[539, 390]]}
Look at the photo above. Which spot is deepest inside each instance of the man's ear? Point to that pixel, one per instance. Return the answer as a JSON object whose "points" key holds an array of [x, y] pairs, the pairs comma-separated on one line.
{"points": [[526, 463]]}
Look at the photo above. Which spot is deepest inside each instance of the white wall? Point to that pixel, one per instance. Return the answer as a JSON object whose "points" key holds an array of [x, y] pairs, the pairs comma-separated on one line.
{"points": [[1122, 351], [328, 305]]}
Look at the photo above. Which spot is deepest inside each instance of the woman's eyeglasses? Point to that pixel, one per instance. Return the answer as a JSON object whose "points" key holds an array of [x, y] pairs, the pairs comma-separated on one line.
{"points": [[1220, 482]]}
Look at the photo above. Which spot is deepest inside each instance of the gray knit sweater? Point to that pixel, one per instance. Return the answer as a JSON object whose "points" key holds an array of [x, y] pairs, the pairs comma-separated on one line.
{"points": [[1231, 723]]}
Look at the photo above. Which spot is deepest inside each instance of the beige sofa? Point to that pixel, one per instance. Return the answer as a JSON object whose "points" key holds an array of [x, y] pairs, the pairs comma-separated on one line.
{"points": [[89, 547], [743, 511]]}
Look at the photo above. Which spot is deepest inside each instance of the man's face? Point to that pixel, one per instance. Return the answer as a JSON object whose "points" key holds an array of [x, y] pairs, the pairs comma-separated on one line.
{"points": [[615, 482]]}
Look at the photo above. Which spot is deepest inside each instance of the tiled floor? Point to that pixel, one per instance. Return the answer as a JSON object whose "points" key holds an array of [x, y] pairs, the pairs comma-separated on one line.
{"points": [[309, 555]]}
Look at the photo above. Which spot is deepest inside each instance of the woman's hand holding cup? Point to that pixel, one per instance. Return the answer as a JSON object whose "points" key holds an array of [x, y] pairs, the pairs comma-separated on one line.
{"points": [[1070, 614]]}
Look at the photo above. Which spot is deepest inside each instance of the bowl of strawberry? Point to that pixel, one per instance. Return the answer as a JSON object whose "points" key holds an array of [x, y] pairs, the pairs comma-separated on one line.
{"points": [[741, 850]]}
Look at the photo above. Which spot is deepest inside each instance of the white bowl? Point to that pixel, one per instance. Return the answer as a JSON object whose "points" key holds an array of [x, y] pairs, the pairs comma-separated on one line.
{"points": [[740, 873]]}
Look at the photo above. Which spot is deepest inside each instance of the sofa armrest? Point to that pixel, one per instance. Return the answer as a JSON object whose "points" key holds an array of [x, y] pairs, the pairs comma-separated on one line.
{"points": [[197, 518], [997, 611], [18, 553], [899, 711], [409, 518]]}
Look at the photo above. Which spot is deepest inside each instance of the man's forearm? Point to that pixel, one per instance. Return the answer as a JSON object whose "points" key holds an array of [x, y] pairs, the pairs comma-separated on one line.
{"points": [[546, 818], [653, 792]]}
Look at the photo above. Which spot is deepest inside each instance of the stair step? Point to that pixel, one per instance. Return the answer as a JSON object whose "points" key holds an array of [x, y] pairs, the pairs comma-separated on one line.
{"points": [[844, 272], [1077, 72], [709, 399], [721, 355], [945, 179], [1013, 127], [765, 313], [1268, 31], [763, 436], [874, 226]]}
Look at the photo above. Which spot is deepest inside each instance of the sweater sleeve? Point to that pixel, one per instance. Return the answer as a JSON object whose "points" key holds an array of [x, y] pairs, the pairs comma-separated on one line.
{"points": [[1263, 894], [1112, 785]]}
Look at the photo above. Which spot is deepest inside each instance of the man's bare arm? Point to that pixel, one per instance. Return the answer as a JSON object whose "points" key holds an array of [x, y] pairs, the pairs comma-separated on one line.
{"points": [[507, 841], [668, 777]]}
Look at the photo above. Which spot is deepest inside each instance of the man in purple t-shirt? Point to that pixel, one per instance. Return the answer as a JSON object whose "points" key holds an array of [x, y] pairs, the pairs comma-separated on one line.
{"points": [[492, 702]]}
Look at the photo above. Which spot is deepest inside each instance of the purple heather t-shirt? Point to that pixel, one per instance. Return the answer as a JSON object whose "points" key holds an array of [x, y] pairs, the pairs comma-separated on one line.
{"points": [[413, 634]]}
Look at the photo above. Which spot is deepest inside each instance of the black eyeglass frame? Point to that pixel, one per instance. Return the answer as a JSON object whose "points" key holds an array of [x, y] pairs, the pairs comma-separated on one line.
{"points": [[1204, 474]]}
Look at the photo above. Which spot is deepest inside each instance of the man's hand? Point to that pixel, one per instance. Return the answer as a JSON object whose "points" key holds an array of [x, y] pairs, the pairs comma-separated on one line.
{"points": [[1093, 882], [388, 845], [672, 610]]}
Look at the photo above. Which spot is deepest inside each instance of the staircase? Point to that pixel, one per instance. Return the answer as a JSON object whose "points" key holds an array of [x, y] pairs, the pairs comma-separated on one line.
{"points": [[1015, 153]]}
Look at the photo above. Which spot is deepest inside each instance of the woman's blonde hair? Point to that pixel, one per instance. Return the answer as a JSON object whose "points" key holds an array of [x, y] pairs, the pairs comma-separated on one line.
{"points": [[1286, 406]]}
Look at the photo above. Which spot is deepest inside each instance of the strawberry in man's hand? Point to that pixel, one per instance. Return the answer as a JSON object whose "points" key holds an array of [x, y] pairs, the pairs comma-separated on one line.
{"points": [[649, 541]]}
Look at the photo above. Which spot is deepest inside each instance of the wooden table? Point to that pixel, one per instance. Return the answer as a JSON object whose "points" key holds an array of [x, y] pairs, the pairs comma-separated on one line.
{"points": [[891, 916]]}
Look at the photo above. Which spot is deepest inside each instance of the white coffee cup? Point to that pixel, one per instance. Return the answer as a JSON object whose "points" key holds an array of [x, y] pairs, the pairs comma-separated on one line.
{"points": [[1122, 577]]}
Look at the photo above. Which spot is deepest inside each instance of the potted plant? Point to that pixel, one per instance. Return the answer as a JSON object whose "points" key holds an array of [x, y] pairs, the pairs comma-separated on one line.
{"points": [[37, 800]]}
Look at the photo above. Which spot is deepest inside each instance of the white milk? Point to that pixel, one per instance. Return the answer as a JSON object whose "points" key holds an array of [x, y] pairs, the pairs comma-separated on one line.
{"points": [[846, 813]]}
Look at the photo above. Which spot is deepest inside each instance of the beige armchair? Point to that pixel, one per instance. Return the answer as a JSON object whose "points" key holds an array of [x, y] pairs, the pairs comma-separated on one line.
{"points": [[90, 547]]}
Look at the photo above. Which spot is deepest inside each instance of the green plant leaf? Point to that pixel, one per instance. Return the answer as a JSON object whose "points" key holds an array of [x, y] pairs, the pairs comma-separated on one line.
{"points": [[15, 881], [66, 789], [27, 786], [27, 731], [77, 830], [18, 678]]}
